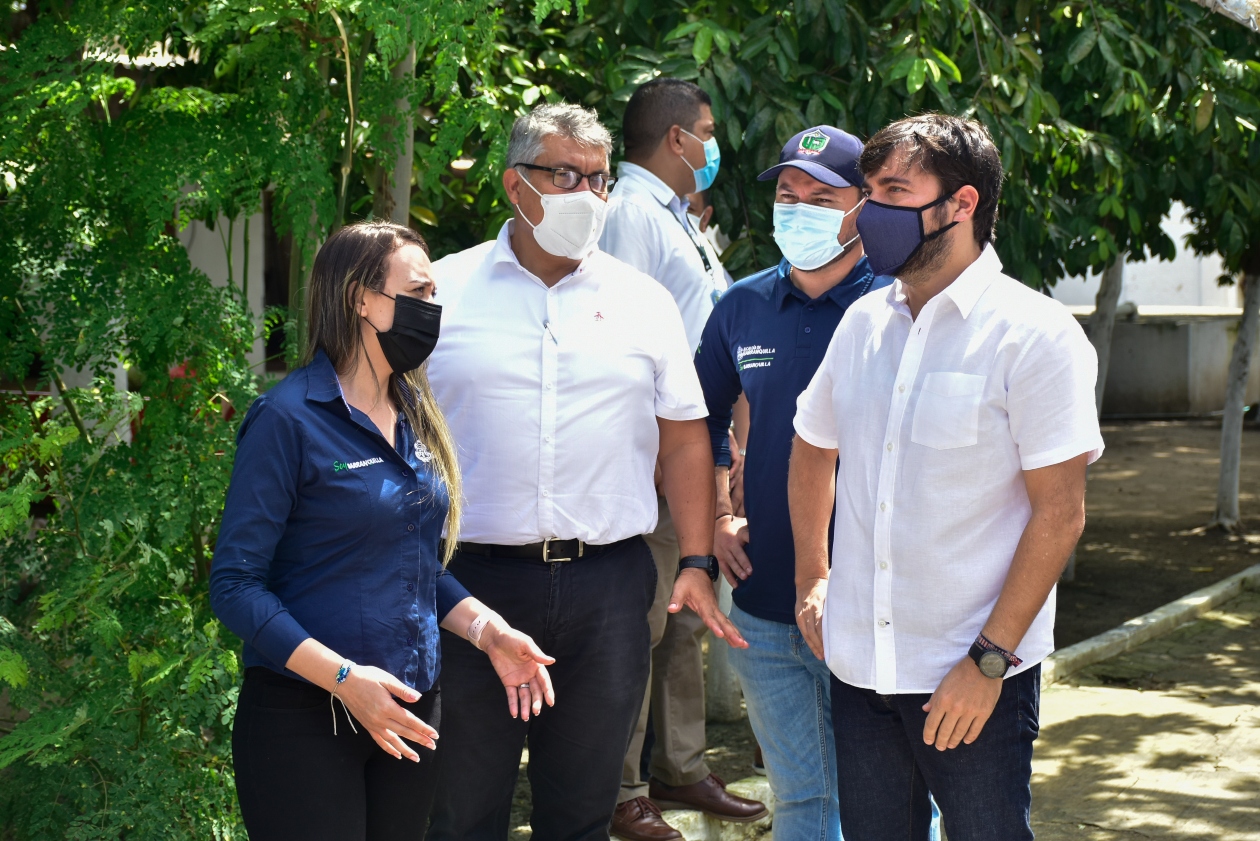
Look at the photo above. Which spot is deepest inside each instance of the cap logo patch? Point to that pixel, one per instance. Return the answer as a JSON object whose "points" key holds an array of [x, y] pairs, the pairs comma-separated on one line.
{"points": [[813, 143]]}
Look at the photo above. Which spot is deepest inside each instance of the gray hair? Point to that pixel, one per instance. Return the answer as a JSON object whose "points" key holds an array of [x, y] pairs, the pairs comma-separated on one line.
{"points": [[559, 118]]}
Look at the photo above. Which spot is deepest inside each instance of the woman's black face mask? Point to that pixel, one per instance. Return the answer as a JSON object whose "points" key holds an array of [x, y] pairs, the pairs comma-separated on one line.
{"points": [[413, 335]]}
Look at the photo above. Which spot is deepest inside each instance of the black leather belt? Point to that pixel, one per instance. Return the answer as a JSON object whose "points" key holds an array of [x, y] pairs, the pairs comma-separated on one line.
{"points": [[551, 551]]}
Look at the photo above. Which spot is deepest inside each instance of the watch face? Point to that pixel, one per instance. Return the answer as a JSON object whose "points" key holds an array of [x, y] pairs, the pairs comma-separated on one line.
{"points": [[712, 567], [992, 664]]}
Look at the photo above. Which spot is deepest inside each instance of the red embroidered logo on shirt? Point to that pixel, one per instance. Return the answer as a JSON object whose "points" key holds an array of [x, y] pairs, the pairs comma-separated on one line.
{"points": [[599, 316]]}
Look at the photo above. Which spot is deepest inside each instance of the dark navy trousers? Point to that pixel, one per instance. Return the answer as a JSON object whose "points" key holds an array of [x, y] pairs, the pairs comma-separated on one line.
{"points": [[885, 770], [296, 779]]}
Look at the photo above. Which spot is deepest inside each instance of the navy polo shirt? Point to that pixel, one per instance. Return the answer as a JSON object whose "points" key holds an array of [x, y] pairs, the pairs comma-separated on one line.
{"points": [[329, 532], [766, 338]]}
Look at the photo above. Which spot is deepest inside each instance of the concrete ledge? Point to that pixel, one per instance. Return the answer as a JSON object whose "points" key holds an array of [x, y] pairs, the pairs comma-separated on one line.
{"points": [[1136, 631], [697, 826]]}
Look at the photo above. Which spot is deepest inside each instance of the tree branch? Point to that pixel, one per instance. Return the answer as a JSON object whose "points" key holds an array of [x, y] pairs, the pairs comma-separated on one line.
{"points": [[1245, 12]]}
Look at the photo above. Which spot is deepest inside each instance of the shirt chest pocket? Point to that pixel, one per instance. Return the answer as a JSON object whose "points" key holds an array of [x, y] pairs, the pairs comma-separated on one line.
{"points": [[948, 412], [342, 499]]}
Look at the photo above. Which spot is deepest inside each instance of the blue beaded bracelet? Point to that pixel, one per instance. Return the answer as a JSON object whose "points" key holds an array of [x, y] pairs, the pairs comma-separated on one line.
{"points": [[344, 671]]}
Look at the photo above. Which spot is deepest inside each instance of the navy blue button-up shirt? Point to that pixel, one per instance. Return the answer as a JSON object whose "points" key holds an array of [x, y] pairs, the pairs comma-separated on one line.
{"points": [[766, 338], [329, 532]]}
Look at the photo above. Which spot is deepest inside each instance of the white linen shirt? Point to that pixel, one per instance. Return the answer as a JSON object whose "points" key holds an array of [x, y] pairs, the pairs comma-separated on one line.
{"points": [[935, 419], [648, 228], [552, 395]]}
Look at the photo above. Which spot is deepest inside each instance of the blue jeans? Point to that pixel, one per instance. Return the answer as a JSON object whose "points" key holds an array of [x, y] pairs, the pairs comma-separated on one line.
{"points": [[787, 691], [886, 770]]}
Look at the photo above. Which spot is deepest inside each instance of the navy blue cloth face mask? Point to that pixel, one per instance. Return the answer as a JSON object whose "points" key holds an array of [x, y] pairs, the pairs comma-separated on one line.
{"points": [[413, 335], [891, 235]]}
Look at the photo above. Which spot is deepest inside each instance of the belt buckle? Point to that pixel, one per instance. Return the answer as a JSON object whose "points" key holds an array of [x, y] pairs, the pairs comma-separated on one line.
{"points": [[547, 552]]}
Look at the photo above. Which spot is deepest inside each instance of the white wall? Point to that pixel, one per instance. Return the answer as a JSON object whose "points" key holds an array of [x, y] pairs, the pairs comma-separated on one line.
{"points": [[207, 252], [1187, 281]]}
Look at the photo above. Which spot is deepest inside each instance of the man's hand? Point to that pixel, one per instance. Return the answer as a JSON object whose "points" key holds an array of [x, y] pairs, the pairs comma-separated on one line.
{"points": [[960, 706], [521, 666], [693, 589], [811, 595], [730, 536]]}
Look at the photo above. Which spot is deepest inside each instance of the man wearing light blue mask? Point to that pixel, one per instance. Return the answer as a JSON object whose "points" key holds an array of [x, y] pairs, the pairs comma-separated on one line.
{"points": [[765, 340], [668, 132]]}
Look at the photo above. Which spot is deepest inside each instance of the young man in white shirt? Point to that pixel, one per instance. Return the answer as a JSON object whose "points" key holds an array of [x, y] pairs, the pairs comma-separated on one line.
{"points": [[671, 151], [960, 405], [565, 377]]}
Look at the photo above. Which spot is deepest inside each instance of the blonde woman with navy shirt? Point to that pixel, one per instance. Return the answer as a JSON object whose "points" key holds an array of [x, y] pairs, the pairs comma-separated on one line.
{"points": [[330, 562]]}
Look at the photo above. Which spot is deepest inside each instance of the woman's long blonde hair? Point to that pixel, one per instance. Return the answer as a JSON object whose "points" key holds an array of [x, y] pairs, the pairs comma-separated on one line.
{"points": [[357, 256]]}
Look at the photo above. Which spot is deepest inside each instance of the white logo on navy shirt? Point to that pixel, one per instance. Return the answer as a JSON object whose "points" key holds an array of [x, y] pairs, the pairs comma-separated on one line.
{"points": [[753, 356]]}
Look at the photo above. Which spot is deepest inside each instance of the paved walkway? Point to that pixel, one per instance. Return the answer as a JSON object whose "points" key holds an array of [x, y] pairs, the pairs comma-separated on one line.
{"points": [[1163, 742]]}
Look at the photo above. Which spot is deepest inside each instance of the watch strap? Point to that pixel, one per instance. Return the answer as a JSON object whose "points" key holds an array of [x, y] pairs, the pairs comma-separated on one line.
{"points": [[708, 563], [984, 646], [988, 645]]}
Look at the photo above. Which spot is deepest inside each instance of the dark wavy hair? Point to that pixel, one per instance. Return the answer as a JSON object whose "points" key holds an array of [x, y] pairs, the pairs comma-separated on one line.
{"points": [[353, 259], [956, 151]]}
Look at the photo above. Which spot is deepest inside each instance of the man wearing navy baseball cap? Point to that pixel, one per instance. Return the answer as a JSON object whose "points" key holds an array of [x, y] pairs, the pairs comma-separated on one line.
{"points": [[765, 338]]}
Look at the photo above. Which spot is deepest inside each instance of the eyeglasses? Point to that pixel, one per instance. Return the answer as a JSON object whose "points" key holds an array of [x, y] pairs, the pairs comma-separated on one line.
{"points": [[569, 179]]}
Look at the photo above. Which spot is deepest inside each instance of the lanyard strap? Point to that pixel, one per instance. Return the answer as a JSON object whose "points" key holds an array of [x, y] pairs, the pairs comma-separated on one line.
{"points": [[704, 256]]}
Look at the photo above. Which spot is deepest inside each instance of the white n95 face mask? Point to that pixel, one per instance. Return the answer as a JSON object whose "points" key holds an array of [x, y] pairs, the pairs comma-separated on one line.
{"points": [[571, 223]]}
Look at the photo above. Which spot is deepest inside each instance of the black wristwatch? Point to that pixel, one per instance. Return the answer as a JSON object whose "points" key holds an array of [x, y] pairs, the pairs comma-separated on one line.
{"points": [[708, 563], [994, 661]]}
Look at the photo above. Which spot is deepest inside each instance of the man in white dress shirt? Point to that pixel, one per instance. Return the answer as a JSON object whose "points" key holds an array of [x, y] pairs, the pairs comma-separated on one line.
{"points": [[565, 376], [670, 152], [960, 406]]}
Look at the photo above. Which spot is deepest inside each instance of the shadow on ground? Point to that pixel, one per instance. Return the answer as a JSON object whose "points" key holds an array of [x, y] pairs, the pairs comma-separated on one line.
{"points": [[1163, 742]]}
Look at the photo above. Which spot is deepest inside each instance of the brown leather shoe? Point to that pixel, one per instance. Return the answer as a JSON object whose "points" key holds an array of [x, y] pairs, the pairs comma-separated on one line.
{"points": [[709, 796], [640, 820]]}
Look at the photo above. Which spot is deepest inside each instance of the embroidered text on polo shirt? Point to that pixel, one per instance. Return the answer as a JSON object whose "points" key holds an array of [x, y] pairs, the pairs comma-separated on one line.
{"points": [[355, 465], [754, 356]]}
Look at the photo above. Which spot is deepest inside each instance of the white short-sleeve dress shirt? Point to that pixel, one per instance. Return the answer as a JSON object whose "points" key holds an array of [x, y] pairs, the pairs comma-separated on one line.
{"points": [[935, 420], [648, 228], [552, 394]]}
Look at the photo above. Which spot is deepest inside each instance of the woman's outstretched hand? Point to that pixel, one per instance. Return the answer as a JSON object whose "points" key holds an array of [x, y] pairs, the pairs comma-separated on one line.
{"points": [[368, 693], [521, 666]]}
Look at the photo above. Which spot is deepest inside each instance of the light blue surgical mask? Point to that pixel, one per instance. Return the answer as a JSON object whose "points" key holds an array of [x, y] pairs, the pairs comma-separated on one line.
{"points": [[712, 160], [809, 235]]}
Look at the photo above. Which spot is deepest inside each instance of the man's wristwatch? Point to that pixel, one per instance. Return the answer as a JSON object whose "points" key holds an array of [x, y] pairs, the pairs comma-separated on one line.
{"points": [[708, 563], [994, 662]]}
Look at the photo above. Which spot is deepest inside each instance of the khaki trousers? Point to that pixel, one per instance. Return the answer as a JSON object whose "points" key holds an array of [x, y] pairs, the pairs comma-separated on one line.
{"points": [[676, 687]]}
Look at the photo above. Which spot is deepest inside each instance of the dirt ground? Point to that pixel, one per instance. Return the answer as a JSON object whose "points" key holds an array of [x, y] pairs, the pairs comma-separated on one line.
{"points": [[1162, 742], [1147, 499]]}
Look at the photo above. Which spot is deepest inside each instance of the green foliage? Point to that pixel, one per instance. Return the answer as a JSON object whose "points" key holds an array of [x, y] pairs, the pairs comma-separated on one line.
{"points": [[1081, 98], [1219, 179], [117, 684]]}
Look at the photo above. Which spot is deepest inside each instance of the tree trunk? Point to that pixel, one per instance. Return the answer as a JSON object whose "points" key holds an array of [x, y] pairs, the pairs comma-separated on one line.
{"points": [[1246, 12], [305, 244], [354, 76], [393, 189], [1227, 517], [1103, 320], [297, 300], [1101, 325]]}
